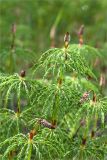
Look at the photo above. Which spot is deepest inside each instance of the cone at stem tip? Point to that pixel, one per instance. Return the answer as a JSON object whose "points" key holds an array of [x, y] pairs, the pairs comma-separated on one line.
{"points": [[32, 134], [67, 39], [80, 35], [22, 73]]}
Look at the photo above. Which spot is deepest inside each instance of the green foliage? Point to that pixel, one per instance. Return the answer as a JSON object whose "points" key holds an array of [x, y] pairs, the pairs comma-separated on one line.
{"points": [[71, 59], [72, 114], [53, 105], [41, 144]]}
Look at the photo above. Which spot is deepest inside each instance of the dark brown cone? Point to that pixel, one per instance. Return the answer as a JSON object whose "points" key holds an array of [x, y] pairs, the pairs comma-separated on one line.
{"points": [[23, 73], [67, 39], [54, 123], [92, 134], [46, 124], [84, 141], [82, 122], [94, 97], [59, 81], [32, 134]]}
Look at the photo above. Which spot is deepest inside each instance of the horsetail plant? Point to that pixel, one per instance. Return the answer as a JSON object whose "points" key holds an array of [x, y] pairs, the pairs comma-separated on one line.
{"points": [[59, 116], [14, 55]]}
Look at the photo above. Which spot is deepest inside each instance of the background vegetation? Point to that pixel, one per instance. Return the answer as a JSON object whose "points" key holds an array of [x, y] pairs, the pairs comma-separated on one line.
{"points": [[35, 19]]}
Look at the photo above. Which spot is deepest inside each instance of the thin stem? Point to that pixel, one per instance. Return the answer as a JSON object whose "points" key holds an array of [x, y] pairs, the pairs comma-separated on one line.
{"points": [[30, 151], [12, 50], [11, 62], [95, 126], [55, 109], [65, 53], [18, 125], [81, 155]]}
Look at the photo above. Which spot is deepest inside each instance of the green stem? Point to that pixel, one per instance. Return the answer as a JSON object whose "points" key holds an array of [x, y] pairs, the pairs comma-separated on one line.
{"points": [[96, 119], [95, 122], [86, 127], [81, 155], [65, 53], [56, 97], [18, 125], [30, 151], [19, 98], [55, 108], [11, 66], [19, 106]]}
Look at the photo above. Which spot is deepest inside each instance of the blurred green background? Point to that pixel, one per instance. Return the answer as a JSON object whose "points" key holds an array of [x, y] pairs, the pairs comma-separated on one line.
{"points": [[43, 23], [35, 18]]}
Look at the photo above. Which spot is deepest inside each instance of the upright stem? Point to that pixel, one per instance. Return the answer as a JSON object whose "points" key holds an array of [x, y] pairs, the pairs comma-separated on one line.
{"points": [[18, 124], [81, 155], [19, 106], [30, 144], [55, 109], [65, 53], [12, 50], [95, 126], [11, 66], [95, 116], [19, 96], [59, 78], [30, 151]]}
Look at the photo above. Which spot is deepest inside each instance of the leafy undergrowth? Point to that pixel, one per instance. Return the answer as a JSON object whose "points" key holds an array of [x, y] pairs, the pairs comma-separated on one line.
{"points": [[61, 115]]}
